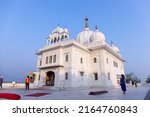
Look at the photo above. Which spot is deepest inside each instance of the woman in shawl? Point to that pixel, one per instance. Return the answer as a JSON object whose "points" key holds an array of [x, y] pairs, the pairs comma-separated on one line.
{"points": [[122, 83]]}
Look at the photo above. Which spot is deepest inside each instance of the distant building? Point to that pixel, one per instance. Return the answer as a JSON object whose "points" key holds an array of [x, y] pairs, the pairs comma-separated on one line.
{"points": [[86, 61]]}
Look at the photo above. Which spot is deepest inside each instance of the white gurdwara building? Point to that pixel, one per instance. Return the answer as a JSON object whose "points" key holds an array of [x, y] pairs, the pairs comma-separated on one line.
{"points": [[87, 61]]}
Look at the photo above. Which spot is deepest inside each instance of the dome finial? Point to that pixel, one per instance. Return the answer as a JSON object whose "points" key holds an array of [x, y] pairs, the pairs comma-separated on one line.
{"points": [[96, 27], [86, 22], [112, 43]]}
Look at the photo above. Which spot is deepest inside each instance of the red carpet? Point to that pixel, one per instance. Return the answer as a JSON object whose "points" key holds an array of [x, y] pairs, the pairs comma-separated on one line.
{"points": [[37, 94], [10, 96]]}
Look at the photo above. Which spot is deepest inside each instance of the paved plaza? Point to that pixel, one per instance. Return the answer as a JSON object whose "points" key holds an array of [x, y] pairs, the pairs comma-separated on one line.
{"points": [[133, 93]]}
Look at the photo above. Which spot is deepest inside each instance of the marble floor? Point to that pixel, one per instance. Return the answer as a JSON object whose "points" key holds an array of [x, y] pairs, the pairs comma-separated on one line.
{"points": [[133, 93]]}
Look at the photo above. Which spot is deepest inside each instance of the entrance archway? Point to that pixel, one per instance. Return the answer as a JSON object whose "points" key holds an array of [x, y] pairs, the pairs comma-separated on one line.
{"points": [[50, 78]]}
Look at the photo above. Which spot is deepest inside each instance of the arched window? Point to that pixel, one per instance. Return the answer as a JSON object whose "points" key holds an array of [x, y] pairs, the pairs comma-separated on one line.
{"points": [[66, 75], [55, 40], [95, 60], [52, 41], [54, 59], [107, 60], [50, 59], [66, 36], [81, 60], [108, 76], [58, 39], [62, 37], [40, 62], [66, 57], [46, 60]]}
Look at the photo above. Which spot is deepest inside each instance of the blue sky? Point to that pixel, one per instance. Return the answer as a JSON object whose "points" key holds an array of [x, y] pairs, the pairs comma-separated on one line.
{"points": [[25, 25]]}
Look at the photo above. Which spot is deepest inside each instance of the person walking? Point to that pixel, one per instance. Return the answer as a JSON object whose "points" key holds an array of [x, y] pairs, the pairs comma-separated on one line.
{"points": [[27, 83], [123, 83], [135, 82], [132, 82], [1, 82]]}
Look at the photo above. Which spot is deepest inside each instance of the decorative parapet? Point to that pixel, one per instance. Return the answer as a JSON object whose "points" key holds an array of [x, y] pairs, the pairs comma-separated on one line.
{"points": [[11, 85], [99, 45], [62, 44]]}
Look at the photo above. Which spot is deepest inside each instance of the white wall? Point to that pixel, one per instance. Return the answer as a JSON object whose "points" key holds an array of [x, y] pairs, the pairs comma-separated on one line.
{"points": [[73, 67]]}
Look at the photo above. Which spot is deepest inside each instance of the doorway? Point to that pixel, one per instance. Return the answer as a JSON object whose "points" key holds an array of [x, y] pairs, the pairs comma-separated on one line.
{"points": [[50, 78]]}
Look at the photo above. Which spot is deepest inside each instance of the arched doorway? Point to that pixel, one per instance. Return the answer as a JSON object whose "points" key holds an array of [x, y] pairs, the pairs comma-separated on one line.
{"points": [[50, 78]]}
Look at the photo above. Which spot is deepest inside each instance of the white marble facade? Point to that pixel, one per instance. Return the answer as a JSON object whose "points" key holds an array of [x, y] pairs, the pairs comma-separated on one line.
{"points": [[87, 61]]}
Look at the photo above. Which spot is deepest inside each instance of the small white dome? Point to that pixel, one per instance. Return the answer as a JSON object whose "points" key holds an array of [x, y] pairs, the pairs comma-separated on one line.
{"points": [[66, 30], [58, 34], [97, 36], [84, 36], [57, 29], [115, 48]]}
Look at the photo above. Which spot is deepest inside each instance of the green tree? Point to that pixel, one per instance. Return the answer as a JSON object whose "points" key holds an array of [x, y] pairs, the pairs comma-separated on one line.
{"points": [[148, 79], [129, 77], [132, 77]]}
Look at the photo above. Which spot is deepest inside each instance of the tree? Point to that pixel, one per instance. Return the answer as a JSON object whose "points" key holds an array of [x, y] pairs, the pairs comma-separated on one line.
{"points": [[129, 77], [148, 79], [137, 80], [132, 77]]}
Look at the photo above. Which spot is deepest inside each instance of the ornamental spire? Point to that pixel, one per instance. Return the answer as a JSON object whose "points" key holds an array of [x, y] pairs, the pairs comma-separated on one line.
{"points": [[86, 22], [112, 43], [96, 27]]}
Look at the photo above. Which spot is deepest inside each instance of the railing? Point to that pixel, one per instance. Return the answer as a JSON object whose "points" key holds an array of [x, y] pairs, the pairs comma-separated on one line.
{"points": [[15, 85]]}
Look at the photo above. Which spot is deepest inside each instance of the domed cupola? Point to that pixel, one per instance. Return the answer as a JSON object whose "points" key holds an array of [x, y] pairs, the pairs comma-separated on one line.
{"points": [[84, 36], [57, 30], [57, 35], [97, 36], [115, 48], [66, 30]]}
